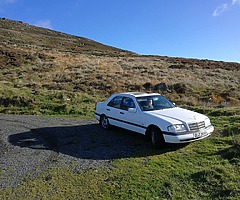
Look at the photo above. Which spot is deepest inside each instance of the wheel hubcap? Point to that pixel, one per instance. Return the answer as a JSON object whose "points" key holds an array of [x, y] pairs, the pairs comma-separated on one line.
{"points": [[104, 122]]}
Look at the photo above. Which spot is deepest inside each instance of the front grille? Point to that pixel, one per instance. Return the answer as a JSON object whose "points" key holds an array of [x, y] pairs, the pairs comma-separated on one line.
{"points": [[196, 126]]}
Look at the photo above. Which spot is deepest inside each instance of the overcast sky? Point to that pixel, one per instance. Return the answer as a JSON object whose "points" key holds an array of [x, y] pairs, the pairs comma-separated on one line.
{"points": [[204, 29]]}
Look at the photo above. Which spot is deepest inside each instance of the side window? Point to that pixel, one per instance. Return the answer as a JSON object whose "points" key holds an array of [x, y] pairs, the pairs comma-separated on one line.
{"points": [[115, 102], [127, 103]]}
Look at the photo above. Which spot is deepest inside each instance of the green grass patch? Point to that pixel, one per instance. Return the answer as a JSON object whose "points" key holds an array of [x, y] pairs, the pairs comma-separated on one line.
{"points": [[225, 120], [21, 101], [200, 170]]}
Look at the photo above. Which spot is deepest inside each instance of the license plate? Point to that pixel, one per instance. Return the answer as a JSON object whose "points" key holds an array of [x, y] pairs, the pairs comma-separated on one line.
{"points": [[199, 134]]}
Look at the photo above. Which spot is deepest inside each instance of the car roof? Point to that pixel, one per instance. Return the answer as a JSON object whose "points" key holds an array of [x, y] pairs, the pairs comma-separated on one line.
{"points": [[138, 94]]}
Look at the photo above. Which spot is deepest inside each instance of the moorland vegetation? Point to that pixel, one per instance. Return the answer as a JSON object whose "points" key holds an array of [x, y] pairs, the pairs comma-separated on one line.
{"points": [[44, 71]]}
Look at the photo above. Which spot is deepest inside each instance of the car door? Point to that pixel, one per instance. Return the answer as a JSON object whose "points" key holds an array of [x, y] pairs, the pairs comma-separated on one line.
{"points": [[113, 110], [129, 115], [118, 113]]}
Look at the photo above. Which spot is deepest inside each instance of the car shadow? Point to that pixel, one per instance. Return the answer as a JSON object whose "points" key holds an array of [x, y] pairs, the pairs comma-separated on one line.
{"points": [[89, 142]]}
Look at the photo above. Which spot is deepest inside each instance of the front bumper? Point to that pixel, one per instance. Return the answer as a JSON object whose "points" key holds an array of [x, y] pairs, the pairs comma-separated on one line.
{"points": [[188, 136]]}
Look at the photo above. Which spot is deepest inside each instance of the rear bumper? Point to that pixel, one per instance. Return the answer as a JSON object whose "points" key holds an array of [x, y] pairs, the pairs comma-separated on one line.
{"points": [[97, 116], [188, 136]]}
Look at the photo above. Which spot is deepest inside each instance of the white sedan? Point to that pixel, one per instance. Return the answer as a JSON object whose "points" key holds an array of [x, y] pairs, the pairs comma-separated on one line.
{"points": [[153, 115]]}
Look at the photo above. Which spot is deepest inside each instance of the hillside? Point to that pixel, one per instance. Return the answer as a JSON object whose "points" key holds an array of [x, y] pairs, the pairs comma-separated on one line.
{"points": [[31, 37], [35, 61]]}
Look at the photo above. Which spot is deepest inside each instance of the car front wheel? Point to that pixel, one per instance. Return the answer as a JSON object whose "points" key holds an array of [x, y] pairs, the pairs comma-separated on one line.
{"points": [[104, 122], [157, 137]]}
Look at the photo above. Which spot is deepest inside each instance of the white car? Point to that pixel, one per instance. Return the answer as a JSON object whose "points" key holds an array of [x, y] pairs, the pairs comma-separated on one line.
{"points": [[153, 115]]}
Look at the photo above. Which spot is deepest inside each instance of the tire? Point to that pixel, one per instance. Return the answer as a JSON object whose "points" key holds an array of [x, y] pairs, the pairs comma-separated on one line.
{"points": [[104, 122], [156, 136]]}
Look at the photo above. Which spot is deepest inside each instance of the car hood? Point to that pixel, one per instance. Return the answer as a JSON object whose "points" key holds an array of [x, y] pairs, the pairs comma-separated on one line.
{"points": [[176, 115]]}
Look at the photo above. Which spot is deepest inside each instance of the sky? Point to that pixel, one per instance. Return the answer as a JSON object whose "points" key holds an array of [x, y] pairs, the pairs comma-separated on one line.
{"points": [[202, 29]]}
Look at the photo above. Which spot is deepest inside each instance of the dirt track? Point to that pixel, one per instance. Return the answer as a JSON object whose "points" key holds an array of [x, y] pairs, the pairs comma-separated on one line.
{"points": [[29, 145]]}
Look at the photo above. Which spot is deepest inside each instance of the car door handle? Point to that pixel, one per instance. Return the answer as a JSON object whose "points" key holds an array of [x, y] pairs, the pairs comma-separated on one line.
{"points": [[108, 109], [121, 113]]}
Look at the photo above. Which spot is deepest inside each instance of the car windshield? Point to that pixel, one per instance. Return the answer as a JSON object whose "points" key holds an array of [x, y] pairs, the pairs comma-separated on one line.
{"points": [[155, 102]]}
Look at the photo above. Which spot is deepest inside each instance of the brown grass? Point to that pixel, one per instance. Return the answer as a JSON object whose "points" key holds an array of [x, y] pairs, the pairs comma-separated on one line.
{"points": [[33, 60]]}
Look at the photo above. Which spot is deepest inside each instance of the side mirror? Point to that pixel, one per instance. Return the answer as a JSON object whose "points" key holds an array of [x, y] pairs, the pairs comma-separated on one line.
{"points": [[132, 110]]}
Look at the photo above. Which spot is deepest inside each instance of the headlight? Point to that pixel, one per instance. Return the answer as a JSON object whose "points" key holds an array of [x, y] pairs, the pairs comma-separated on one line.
{"points": [[207, 122], [177, 128]]}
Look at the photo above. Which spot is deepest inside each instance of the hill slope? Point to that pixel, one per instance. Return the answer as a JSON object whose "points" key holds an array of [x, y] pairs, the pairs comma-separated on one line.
{"points": [[30, 37], [39, 61]]}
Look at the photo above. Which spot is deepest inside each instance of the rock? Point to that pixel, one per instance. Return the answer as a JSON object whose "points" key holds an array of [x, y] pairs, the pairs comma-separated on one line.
{"points": [[161, 86]]}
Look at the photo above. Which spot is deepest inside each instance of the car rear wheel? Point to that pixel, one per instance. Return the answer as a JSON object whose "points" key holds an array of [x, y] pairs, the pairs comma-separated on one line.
{"points": [[156, 137], [104, 122]]}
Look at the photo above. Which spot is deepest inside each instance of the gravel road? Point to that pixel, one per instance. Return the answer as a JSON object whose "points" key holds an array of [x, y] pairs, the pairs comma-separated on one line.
{"points": [[29, 145]]}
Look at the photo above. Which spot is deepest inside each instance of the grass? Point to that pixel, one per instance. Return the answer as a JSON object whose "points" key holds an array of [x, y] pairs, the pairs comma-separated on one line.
{"points": [[207, 169], [45, 102], [226, 120]]}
